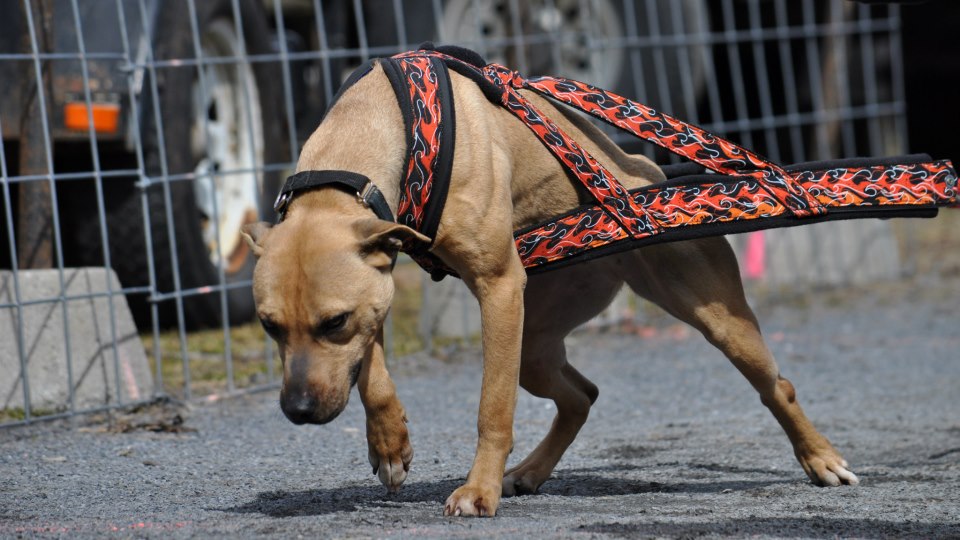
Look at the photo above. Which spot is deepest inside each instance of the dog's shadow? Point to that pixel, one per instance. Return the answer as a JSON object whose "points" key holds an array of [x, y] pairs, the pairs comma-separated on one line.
{"points": [[321, 501], [590, 482], [587, 483]]}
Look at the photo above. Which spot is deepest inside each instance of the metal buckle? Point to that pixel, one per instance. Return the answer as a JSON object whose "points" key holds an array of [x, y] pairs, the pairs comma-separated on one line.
{"points": [[364, 193], [283, 199]]}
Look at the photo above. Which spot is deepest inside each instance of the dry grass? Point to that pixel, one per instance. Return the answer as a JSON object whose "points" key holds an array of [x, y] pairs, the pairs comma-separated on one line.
{"points": [[251, 352], [206, 359]]}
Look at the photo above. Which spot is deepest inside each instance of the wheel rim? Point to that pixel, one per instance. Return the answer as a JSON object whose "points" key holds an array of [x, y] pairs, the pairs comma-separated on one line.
{"points": [[227, 142], [488, 24]]}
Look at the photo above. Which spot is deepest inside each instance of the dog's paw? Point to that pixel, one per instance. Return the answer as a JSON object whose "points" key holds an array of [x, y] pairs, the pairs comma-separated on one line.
{"points": [[389, 450], [472, 501], [522, 481], [825, 466]]}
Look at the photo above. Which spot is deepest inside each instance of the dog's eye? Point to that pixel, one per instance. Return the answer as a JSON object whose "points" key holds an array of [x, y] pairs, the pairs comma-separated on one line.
{"points": [[333, 324], [270, 327]]}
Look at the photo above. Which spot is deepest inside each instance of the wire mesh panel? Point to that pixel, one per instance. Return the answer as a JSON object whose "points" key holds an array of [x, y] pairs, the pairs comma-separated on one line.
{"points": [[140, 135]]}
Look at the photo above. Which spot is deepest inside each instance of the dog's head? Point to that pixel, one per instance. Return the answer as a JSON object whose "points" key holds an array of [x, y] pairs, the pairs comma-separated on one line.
{"points": [[322, 287]]}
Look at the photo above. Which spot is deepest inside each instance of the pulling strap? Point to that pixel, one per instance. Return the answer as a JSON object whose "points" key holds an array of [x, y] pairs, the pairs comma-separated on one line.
{"points": [[700, 205]]}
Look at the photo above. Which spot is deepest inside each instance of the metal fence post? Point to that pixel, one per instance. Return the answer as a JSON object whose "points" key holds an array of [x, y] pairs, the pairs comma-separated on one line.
{"points": [[35, 236]]}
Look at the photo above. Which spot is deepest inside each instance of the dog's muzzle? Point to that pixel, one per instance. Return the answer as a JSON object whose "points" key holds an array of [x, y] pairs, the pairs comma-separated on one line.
{"points": [[302, 406], [302, 409]]}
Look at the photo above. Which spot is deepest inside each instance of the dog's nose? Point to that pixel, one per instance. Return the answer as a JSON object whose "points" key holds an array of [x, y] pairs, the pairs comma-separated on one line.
{"points": [[299, 408]]}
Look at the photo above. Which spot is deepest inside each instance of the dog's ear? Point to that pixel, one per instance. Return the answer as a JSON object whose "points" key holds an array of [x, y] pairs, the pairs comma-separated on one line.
{"points": [[379, 237], [255, 234]]}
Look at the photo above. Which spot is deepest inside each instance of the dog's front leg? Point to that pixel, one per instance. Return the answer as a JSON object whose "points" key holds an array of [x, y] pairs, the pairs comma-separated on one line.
{"points": [[501, 314], [388, 441]]}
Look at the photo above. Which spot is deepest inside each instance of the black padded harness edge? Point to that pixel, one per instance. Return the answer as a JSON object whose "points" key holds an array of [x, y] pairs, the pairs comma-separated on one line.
{"points": [[433, 207]]}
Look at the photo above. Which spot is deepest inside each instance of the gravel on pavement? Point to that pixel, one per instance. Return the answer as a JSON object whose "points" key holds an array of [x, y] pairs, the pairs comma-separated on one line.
{"points": [[677, 446]]}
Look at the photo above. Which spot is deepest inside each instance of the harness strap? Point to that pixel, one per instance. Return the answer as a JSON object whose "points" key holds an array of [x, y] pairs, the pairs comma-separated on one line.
{"points": [[681, 138], [602, 184], [422, 86], [711, 204]]}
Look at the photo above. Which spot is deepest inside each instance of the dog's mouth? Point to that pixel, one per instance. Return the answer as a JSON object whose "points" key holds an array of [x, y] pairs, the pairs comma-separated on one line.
{"points": [[329, 418], [355, 373]]}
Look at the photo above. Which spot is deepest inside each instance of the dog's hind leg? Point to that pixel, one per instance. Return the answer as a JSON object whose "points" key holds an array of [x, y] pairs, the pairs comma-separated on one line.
{"points": [[699, 283], [544, 372]]}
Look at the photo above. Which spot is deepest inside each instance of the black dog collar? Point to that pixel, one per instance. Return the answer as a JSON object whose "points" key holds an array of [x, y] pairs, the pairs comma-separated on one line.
{"points": [[367, 193]]}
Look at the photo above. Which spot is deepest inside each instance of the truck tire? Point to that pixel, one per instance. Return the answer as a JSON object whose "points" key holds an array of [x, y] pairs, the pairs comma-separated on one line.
{"points": [[204, 154], [568, 26]]}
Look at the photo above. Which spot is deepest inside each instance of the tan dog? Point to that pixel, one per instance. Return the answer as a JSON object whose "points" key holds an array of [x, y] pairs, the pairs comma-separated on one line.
{"points": [[323, 287]]}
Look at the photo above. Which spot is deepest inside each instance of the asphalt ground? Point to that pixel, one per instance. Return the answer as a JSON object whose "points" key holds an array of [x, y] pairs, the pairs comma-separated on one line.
{"points": [[677, 446]]}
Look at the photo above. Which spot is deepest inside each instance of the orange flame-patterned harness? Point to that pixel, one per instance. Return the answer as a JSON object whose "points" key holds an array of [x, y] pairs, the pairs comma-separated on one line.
{"points": [[742, 191]]}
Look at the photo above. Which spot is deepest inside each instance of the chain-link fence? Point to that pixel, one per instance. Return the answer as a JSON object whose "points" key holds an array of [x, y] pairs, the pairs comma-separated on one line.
{"points": [[140, 135]]}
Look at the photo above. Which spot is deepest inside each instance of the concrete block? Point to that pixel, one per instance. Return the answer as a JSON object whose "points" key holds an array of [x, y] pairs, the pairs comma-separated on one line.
{"points": [[103, 374], [836, 253], [449, 310]]}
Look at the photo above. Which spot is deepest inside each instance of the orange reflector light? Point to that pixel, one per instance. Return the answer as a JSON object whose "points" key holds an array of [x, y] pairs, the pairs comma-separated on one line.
{"points": [[106, 117]]}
